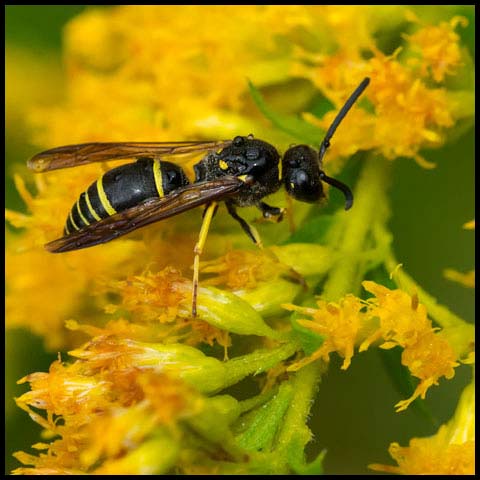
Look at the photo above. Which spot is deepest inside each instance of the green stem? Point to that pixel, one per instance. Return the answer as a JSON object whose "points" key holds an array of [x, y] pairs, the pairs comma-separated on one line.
{"points": [[305, 386], [370, 201], [256, 362]]}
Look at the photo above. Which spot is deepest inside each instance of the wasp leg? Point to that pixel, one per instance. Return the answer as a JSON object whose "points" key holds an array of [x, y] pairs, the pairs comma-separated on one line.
{"points": [[202, 237], [247, 228], [251, 231], [291, 220], [214, 211], [272, 214]]}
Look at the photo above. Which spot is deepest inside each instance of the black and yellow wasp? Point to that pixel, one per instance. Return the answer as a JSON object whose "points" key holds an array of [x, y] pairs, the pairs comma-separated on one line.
{"points": [[238, 172]]}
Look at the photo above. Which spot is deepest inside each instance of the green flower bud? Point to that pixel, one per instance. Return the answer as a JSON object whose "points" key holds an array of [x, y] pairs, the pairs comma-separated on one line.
{"points": [[155, 456], [229, 312], [267, 297], [207, 374], [214, 420], [305, 258]]}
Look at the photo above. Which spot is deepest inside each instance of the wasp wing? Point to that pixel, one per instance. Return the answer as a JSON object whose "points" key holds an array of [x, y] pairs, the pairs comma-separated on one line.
{"points": [[74, 155], [150, 211]]}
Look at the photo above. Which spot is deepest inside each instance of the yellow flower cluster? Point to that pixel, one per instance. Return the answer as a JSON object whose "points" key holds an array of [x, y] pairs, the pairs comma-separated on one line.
{"points": [[159, 73], [393, 317], [409, 114], [451, 451], [159, 305], [103, 406], [338, 322], [439, 48], [243, 269], [431, 456]]}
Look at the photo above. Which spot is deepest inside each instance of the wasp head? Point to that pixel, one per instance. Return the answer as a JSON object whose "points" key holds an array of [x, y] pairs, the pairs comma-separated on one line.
{"points": [[302, 176]]}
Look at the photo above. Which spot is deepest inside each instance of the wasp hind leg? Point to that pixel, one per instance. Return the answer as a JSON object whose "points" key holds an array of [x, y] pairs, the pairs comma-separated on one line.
{"points": [[251, 231], [247, 228], [208, 214]]}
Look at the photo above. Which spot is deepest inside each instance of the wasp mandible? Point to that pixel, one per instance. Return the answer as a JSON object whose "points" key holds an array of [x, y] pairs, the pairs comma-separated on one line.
{"points": [[238, 172]]}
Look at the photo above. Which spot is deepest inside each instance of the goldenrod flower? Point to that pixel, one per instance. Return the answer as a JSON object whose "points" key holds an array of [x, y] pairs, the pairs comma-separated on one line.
{"points": [[392, 317], [451, 451], [339, 323], [438, 46], [109, 406], [120, 397], [408, 114]]}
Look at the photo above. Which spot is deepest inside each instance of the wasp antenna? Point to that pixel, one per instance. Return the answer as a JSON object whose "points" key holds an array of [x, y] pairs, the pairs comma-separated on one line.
{"points": [[341, 186], [341, 114]]}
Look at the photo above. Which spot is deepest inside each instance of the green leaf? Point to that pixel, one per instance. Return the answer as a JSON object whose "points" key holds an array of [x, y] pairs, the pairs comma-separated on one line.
{"points": [[296, 460], [314, 230], [265, 423], [292, 125], [310, 341]]}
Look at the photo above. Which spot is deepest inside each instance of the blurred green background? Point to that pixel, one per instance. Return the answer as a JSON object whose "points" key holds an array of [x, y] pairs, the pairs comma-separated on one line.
{"points": [[353, 416]]}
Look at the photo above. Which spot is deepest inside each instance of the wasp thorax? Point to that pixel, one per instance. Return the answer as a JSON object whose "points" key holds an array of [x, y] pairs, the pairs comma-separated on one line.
{"points": [[249, 156], [301, 174]]}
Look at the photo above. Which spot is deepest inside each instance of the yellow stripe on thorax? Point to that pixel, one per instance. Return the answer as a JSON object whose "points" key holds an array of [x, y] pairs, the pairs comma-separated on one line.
{"points": [[89, 205], [84, 220], [103, 198], [157, 173]]}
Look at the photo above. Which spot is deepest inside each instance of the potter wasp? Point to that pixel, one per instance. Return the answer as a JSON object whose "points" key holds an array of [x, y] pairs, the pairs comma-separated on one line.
{"points": [[238, 172]]}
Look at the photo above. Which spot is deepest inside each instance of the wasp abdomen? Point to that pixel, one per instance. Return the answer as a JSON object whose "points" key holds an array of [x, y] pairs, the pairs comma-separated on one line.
{"points": [[124, 187]]}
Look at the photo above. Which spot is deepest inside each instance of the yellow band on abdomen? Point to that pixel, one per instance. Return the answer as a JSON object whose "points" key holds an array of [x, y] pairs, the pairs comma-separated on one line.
{"points": [[157, 174], [74, 225], [89, 205], [103, 198], [84, 220]]}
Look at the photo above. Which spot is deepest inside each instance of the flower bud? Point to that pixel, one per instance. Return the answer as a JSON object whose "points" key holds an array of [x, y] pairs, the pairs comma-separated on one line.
{"points": [[227, 311], [268, 297], [155, 456], [207, 374], [305, 258]]}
